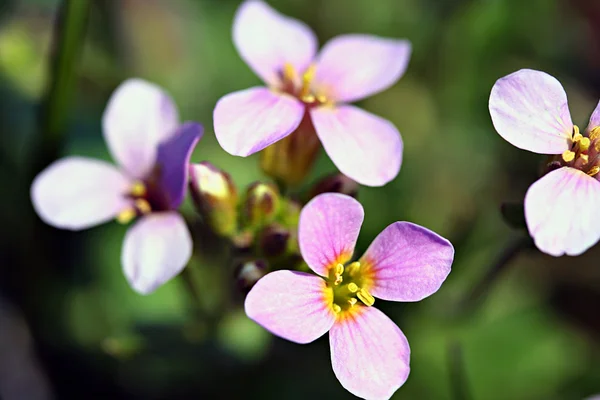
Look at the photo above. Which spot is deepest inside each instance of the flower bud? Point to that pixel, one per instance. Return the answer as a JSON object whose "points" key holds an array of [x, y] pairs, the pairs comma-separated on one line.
{"points": [[335, 183], [248, 273], [290, 159], [215, 197], [262, 204], [274, 240]]}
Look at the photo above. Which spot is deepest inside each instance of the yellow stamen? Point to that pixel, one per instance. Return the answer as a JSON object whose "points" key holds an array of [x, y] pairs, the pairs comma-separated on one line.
{"points": [[289, 72], [597, 146], [138, 189], [126, 215], [568, 155], [337, 309], [309, 98], [584, 144], [593, 171], [353, 287], [307, 79], [352, 301], [321, 98], [339, 270], [365, 297], [595, 133], [143, 206], [577, 137], [585, 158], [353, 268]]}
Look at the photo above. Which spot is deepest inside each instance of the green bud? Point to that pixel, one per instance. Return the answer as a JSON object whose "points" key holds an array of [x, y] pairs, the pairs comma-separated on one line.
{"points": [[335, 183], [262, 204], [215, 197]]}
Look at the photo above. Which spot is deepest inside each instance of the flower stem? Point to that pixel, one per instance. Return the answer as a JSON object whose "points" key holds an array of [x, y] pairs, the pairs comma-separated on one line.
{"points": [[459, 385]]}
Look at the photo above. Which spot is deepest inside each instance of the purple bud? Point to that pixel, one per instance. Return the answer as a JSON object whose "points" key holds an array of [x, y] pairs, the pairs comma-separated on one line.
{"points": [[274, 240], [335, 183], [248, 273]]}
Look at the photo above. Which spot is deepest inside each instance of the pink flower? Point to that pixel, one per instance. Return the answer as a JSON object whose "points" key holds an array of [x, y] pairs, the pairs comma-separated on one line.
{"points": [[405, 262], [142, 130], [282, 52], [529, 109]]}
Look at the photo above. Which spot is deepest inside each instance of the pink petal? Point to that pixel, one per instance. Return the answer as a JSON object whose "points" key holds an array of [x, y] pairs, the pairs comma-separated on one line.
{"points": [[595, 118], [363, 146], [293, 305], [77, 193], [328, 229], [352, 67], [139, 116], [407, 262], [529, 109], [561, 210], [369, 354], [266, 40], [252, 119], [155, 250]]}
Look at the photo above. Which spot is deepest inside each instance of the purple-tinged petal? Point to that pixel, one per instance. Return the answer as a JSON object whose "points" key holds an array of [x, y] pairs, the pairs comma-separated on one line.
{"points": [[294, 305], [250, 120], [266, 40], [529, 109], [139, 116], [369, 354], [155, 249], [594, 119], [352, 67], [328, 229], [173, 158], [77, 193], [407, 262], [363, 146], [561, 210]]}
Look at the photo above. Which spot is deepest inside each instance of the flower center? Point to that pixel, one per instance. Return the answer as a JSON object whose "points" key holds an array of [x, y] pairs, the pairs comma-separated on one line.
{"points": [[300, 86], [348, 286], [584, 154], [139, 193]]}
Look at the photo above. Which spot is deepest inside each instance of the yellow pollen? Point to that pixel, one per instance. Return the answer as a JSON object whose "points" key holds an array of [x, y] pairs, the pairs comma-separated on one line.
{"points": [[337, 309], [584, 143], [143, 206], [568, 155], [138, 189], [289, 72], [309, 98], [126, 215], [577, 137], [595, 133], [353, 268], [352, 301], [307, 79], [365, 297], [593, 171], [353, 287], [321, 98], [585, 158], [339, 270]]}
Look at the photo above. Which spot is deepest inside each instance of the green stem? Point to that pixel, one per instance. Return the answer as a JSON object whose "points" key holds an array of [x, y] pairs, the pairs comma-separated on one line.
{"points": [[458, 377]]}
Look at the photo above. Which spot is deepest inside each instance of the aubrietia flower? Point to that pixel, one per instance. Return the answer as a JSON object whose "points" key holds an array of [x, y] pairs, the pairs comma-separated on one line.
{"points": [[307, 92], [369, 353], [529, 109], [142, 130]]}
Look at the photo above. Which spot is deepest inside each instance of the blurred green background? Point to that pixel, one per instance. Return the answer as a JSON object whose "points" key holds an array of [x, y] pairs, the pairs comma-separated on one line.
{"points": [[70, 326]]}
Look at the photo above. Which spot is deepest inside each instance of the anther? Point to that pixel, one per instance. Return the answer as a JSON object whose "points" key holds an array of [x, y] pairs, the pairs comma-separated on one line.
{"points": [[585, 158], [339, 270], [289, 72], [352, 301], [584, 143], [138, 189], [143, 206], [321, 99], [353, 268], [577, 137], [593, 171], [307, 78], [575, 130], [365, 297], [337, 309], [309, 98], [568, 155], [595, 133], [126, 215], [353, 287]]}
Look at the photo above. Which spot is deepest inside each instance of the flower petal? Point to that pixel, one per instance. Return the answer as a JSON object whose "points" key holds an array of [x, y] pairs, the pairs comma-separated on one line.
{"points": [[139, 116], [77, 193], [328, 229], [266, 40], [155, 250], [529, 109], [369, 354], [352, 67], [561, 210], [363, 146], [249, 120], [293, 305], [173, 158], [594, 119], [407, 262]]}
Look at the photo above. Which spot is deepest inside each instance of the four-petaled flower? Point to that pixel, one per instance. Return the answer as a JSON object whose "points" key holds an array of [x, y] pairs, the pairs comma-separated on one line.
{"points": [[281, 51], [142, 130], [369, 353], [529, 109]]}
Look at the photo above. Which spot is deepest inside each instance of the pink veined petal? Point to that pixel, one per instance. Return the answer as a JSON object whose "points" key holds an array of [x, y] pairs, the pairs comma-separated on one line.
{"points": [[173, 159], [529, 109], [363, 146], [561, 210], [139, 116], [266, 40], [155, 250], [352, 67], [77, 193], [250, 120], [327, 231], [407, 262], [369, 354], [595, 118], [293, 305]]}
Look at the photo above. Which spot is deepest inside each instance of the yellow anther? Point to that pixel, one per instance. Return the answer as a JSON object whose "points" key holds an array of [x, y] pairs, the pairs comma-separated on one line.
{"points": [[353, 268], [585, 158], [575, 130], [593, 171], [597, 146], [321, 98], [143, 206], [309, 98], [126, 215], [577, 137], [352, 301], [307, 79], [568, 155], [595, 133], [289, 72], [337, 309], [138, 189], [339, 270], [365, 297], [353, 287], [584, 144]]}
